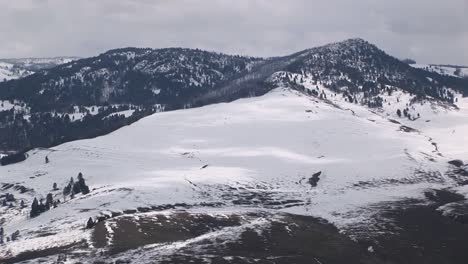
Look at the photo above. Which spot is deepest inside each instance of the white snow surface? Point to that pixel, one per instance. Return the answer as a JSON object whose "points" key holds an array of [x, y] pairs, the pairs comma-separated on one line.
{"points": [[276, 141]]}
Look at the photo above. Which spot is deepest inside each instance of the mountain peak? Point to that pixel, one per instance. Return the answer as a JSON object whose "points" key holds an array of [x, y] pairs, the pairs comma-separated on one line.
{"points": [[356, 41], [352, 43]]}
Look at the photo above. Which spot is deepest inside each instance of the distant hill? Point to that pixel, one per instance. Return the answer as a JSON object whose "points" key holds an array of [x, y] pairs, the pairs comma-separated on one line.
{"points": [[18, 68]]}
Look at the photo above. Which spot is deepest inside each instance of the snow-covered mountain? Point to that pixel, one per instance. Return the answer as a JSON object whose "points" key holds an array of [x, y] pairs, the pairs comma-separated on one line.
{"points": [[340, 148], [154, 79], [18, 68]]}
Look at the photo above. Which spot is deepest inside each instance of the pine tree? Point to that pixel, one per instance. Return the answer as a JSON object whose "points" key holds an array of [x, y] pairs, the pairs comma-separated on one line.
{"points": [[49, 201], [82, 187], [398, 112], [15, 235], [90, 223], [42, 207], [85, 189], [67, 189], [54, 186], [34, 208], [76, 187]]}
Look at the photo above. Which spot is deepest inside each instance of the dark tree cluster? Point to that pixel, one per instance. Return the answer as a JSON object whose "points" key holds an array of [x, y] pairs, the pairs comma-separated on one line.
{"points": [[178, 73], [8, 199], [72, 188], [46, 130], [14, 236], [13, 158], [39, 207], [76, 187]]}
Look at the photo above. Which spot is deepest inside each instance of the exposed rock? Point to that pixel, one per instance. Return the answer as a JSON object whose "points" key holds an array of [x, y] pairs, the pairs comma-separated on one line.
{"points": [[313, 181], [443, 196], [457, 163]]}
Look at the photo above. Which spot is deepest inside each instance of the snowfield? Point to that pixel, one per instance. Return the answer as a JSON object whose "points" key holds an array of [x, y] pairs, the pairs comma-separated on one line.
{"points": [[269, 145]]}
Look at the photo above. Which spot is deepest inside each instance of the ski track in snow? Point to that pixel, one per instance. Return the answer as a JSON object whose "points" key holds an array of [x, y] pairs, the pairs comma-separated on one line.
{"points": [[272, 143]]}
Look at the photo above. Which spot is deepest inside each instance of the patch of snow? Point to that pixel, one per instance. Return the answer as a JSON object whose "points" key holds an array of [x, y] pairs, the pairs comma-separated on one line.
{"points": [[126, 113]]}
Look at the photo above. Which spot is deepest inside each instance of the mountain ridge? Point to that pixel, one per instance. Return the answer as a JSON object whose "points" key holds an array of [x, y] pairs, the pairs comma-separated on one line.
{"points": [[149, 80]]}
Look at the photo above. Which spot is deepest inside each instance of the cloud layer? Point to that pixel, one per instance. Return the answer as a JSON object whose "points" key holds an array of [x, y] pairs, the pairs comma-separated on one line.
{"points": [[429, 31]]}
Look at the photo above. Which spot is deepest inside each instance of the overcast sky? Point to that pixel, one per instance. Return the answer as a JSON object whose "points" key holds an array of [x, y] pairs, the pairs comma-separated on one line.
{"points": [[430, 31]]}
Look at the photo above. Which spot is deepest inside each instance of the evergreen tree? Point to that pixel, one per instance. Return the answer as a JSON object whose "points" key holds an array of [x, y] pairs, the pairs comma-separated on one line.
{"points": [[82, 184], [90, 223], [85, 189], [67, 189], [49, 201], [15, 235], [398, 112], [42, 207], [34, 208], [54, 186], [9, 197], [77, 187]]}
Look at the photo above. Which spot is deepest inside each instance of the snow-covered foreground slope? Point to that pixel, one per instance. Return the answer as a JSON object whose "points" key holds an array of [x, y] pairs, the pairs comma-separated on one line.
{"points": [[265, 147]]}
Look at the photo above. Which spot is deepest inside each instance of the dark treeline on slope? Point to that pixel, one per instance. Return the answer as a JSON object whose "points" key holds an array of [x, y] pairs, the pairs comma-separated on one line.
{"points": [[180, 78], [46, 130], [139, 76]]}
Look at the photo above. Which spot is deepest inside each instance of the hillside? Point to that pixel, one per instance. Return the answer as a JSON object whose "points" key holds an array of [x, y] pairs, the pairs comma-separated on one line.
{"points": [[252, 159]]}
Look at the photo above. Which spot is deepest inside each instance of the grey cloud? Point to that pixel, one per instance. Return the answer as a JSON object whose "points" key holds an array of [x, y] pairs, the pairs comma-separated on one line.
{"points": [[428, 30]]}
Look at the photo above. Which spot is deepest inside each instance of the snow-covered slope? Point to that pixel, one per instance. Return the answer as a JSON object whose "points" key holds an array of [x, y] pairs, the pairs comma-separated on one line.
{"points": [[454, 71], [8, 71], [19, 68], [265, 147]]}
